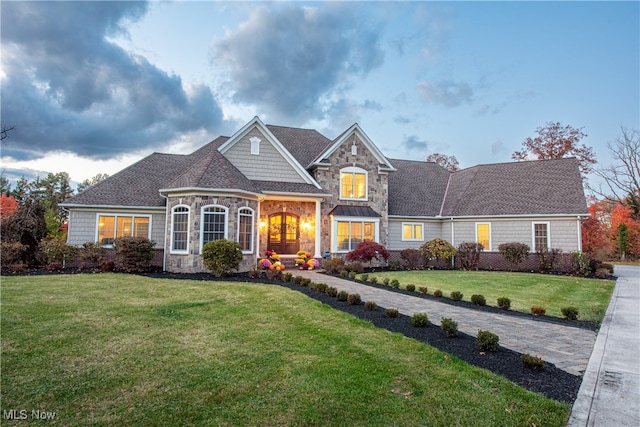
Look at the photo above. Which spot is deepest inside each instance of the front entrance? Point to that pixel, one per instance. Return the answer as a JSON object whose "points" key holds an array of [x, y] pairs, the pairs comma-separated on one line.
{"points": [[284, 233]]}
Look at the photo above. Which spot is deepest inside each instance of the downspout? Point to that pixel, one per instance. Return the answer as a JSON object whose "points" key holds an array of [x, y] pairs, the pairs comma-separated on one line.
{"points": [[257, 248], [453, 241], [167, 222], [579, 234]]}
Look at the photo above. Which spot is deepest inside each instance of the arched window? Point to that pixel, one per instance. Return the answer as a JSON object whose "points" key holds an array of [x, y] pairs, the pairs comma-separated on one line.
{"points": [[245, 229], [214, 224], [180, 229], [353, 184]]}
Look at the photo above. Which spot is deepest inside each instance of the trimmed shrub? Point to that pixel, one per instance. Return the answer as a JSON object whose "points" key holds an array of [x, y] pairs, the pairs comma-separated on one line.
{"points": [[504, 303], [411, 258], [391, 312], [419, 320], [331, 291], [354, 299], [437, 249], [55, 249], [469, 255], [11, 253], [287, 277], [386, 281], [478, 299], [334, 265], [449, 327], [373, 280], [273, 274], [321, 287], [514, 253], [394, 265], [345, 273], [366, 251], [370, 305], [305, 282], [570, 313], [395, 284], [108, 265], [364, 277], [532, 362], [580, 264], [437, 293], [92, 252], [411, 288], [423, 289], [537, 310], [548, 259], [352, 274], [54, 266], [342, 296], [487, 341], [354, 266], [136, 253], [456, 295]]}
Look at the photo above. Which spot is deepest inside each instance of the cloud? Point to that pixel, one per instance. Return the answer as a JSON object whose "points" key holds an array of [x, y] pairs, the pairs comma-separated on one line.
{"points": [[413, 143], [292, 59], [66, 87], [446, 92]]}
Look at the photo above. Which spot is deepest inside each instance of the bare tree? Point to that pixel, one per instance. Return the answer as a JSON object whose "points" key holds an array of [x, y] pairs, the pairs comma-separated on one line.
{"points": [[622, 179], [4, 132], [450, 163]]}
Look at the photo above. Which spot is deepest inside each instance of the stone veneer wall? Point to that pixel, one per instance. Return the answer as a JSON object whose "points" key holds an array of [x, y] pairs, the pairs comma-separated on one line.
{"points": [[305, 210], [192, 261], [378, 187]]}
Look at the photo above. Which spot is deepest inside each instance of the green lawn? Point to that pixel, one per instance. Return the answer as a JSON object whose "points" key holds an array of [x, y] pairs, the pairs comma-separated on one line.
{"points": [[590, 296], [111, 349]]}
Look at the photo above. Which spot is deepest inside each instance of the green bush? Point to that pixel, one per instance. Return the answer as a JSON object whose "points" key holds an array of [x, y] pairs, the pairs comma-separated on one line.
{"points": [[514, 253], [354, 299], [456, 295], [423, 289], [345, 273], [373, 280], [386, 281], [437, 249], [56, 249], [419, 320], [331, 291], [321, 287], [370, 305], [92, 253], [364, 277], [287, 277], [537, 310], [449, 327], [395, 284], [487, 341], [221, 256], [532, 362], [437, 293], [305, 282], [136, 253], [478, 299], [504, 303], [411, 288], [342, 296], [352, 274], [391, 312], [570, 313], [394, 265]]}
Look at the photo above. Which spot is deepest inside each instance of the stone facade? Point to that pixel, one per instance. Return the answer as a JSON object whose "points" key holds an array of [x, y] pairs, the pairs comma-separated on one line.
{"points": [[306, 211]]}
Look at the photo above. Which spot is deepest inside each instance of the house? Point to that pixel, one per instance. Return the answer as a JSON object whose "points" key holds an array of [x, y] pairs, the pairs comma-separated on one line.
{"points": [[289, 189]]}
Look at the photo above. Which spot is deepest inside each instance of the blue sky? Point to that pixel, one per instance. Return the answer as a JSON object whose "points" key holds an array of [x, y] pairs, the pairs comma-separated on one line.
{"points": [[93, 87]]}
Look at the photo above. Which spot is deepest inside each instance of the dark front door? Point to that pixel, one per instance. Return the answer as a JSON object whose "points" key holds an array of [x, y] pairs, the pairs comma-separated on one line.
{"points": [[284, 233]]}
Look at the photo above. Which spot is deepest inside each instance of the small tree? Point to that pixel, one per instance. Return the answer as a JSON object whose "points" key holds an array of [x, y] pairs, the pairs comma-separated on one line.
{"points": [[623, 232], [367, 251], [134, 253], [437, 249], [514, 252], [221, 256]]}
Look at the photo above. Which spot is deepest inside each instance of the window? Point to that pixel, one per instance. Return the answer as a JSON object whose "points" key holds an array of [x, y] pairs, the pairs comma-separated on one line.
{"points": [[350, 233], [180, 229], [110, 227], [541, 236], [245, 229], [483, 235], [353, 183], [214, 224], [411, 231], [255, 145]]}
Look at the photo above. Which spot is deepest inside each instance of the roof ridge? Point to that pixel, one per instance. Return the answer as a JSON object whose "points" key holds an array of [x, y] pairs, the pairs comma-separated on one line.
{"points": [[444, 197]]}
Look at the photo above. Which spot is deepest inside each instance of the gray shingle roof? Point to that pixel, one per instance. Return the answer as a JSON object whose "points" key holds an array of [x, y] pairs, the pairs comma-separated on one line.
{"points": [[416, 188], [303, 144], [359, 211]]}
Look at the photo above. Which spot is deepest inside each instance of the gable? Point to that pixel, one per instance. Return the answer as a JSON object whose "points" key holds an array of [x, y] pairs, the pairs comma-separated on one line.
{"points": [[267, 160]]}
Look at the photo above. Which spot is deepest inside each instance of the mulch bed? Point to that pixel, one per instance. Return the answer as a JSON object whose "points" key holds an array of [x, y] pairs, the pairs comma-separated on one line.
{"points": [[550, 381]]}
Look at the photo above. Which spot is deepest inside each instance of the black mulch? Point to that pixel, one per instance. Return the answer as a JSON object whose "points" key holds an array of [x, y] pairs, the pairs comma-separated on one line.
{"points": [[550, 381]]}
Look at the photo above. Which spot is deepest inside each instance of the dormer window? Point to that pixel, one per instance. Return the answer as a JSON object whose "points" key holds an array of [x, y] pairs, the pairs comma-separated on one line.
{"points": [[353, 184], [255, 145]]}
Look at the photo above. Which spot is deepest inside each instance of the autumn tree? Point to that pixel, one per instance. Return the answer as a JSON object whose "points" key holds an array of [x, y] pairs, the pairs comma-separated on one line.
{"points": [[555, 141], [450, 163], [624, 232], [8, 206], [90, 182], [595, 230], [622, 179]]}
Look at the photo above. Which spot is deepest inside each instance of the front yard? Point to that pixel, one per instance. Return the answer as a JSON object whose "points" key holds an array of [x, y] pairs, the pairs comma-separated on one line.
{"points": [[113, 349]]}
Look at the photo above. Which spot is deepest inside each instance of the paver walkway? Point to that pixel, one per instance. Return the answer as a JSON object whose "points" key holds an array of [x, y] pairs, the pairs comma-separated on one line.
{"points": [[566, 347]]}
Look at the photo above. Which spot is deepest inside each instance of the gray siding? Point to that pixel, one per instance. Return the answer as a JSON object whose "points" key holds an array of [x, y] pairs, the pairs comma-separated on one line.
{"points": [[431, 230], [83, 225], [269, 165]]}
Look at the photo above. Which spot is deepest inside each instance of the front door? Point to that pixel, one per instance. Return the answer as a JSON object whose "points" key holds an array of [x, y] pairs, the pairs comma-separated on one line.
{"points": [[284, 233]]}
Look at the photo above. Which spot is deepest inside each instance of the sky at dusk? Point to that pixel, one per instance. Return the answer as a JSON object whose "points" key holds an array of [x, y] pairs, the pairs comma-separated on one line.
{"points": [[92, 87]]}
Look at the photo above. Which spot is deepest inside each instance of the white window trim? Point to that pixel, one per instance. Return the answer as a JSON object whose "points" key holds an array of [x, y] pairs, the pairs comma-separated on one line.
{"points": [[253, 218], [255, 145], [533, 234], [354, 170], [226, 222], [414, 238], [115, 224], [490, 239], [334, 229], [173, 212]]}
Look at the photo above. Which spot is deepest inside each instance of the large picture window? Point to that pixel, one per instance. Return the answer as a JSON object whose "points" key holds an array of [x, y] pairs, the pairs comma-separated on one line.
{"points": [[214, 224], [483, 235], [180, 229], [353, 184], [245, 229], [112, 226], [350, 233]]}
